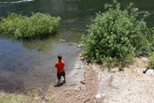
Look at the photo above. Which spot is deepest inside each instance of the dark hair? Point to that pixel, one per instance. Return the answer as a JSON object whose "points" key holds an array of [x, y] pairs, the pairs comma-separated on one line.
{"points": [[59, 57]]}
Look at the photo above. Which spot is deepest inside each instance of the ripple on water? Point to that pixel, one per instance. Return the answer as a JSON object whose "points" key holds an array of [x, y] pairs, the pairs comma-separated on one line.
{"points": [[20, 1]]}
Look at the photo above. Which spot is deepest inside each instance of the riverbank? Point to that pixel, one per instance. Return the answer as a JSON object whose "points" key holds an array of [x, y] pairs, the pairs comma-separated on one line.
{"points": [[104, 85], [91, 83], [129, 85]]}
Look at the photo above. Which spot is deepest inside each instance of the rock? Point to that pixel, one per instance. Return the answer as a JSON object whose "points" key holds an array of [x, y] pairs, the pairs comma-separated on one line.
{"points": [[150, 71], [80, 46], [98, 96], [145, 59]]}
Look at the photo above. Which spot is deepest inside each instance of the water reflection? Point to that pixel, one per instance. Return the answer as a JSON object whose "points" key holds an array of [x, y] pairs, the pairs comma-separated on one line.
{"points": [[72, 35], [44, 45]]}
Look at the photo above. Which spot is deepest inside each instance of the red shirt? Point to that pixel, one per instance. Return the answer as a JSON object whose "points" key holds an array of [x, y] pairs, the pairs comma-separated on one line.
{"points": [[60, 66]]}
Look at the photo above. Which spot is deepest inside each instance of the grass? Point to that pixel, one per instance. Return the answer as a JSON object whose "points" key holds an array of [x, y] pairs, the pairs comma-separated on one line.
{"points": [[13, 98]]}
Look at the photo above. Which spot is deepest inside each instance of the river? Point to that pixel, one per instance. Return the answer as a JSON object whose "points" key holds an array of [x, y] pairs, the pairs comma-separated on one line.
{"points": [[26, 64]]}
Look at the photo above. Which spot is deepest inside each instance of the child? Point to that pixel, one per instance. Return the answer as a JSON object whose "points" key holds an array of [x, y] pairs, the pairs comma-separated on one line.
{"points": [[60, 70]]}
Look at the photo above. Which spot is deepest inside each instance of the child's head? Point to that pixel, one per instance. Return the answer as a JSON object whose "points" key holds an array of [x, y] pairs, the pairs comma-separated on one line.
{"points": [[59, 57]]}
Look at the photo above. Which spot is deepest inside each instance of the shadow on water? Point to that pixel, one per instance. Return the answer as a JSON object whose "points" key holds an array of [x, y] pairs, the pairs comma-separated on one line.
{"points": [[11, 86]]}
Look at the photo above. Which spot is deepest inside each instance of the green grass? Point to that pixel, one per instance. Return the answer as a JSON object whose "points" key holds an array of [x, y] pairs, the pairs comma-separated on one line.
{"points": [[17, 98], [13, 98]]}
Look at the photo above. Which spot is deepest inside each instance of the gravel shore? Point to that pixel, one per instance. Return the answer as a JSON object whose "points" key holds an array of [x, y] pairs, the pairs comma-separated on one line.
{"points": [[128, 86], [92, 83]]}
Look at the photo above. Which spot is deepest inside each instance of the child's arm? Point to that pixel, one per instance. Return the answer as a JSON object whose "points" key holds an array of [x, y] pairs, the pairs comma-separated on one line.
{"points": [[56, 65]]}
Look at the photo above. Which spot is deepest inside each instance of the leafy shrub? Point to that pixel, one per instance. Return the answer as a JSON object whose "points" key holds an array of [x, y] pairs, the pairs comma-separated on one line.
{"points": [[36, 26], [150, 37], [115, 36], [151, 61]]}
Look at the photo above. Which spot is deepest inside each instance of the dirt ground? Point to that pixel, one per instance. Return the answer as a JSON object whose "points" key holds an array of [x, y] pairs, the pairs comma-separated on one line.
{"points": [[86, 94], [104, 85]]}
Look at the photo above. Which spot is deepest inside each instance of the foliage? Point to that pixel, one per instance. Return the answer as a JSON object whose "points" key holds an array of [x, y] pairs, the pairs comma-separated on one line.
{"points": [[116, 35], [151, 61], [150, 37], [36, 26]]}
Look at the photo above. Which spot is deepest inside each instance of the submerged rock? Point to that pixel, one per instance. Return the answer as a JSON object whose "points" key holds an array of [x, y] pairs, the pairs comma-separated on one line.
{"points": [[80, 46]]}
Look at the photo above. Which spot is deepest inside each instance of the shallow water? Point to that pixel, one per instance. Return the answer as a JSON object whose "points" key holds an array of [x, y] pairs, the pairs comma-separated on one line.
{"points": [[24, 64]]}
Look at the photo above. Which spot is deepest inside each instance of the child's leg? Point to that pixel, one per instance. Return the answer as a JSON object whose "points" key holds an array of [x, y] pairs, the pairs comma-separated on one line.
{"points": [[58, 77], [58, 82], [64, 78]]}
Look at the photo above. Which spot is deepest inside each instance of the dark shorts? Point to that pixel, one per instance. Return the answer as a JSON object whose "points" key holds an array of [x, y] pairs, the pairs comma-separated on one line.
{"points": [[60, 74]]}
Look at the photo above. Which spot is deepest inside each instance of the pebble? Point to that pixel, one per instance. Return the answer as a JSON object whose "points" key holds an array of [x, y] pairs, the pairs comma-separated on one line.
{"points": [[98, 96]]}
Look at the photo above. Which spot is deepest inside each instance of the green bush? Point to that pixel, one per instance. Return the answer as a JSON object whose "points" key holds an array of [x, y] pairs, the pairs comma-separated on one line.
{"points": [[151, 61], [116, 35], [150, 37], [36, 26]]}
